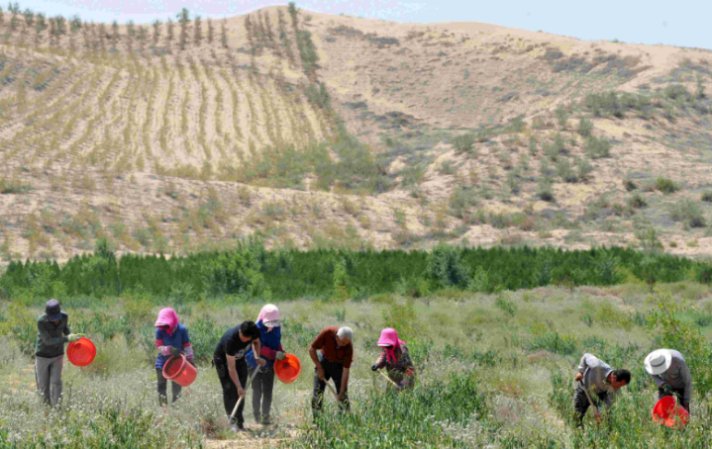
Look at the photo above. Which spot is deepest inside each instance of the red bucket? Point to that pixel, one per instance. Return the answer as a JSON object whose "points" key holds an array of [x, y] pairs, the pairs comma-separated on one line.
{"points": [[668, 413], [288, 369], [179, 370], [81, 352]]}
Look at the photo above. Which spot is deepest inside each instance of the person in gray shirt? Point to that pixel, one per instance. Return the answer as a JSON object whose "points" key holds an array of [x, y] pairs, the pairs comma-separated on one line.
{"points": [[671, 374], [596, 382], [52, 333]]}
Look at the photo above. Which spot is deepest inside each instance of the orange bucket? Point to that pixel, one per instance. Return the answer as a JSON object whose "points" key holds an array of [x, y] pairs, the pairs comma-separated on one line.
{"points": [[668, 413], [288, 369], [81, 352], [179, 370]]}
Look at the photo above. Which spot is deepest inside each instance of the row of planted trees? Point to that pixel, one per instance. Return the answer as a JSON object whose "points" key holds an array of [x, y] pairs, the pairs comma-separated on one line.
{"points": [[183, 31], [251, 271]]}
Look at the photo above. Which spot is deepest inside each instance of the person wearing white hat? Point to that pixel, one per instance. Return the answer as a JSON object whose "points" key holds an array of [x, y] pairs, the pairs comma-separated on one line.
{"points": [[671, 374], [596, 382]]}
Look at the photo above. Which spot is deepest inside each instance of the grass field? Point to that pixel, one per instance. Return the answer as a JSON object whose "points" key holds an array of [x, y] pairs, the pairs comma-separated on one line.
{"points": [[494, 370]]}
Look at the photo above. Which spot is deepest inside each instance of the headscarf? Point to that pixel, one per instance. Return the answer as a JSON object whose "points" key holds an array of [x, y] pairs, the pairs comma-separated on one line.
{"points": [[269, 315], [168, 317], [389, 337]]}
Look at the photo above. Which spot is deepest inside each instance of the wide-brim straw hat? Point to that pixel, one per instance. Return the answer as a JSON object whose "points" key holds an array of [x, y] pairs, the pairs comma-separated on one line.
{"points": [[658, 361]]}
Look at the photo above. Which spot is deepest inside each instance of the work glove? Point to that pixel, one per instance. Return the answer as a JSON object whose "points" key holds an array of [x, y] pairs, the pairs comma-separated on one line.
{"points": [[374, 367], [280, 355], [175, 352], [73, 337]]}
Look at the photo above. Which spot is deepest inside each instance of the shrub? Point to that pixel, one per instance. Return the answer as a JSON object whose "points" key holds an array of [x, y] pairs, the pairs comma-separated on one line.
{"points": [[584, 168], [204, 334], [554, 342], [562, 117], [690, 213], [461, 201], [13, 186], [555, 148], [565, 171], [516, 125], [585, 127], [506, 305], [404, 318], [637, 202], [464, 143], [629, 185], [604, 105], [666, 185], [545, 190], [704, 274], [649, 241], [597, 148], [707, 197], [677, 92], [318, 95]]}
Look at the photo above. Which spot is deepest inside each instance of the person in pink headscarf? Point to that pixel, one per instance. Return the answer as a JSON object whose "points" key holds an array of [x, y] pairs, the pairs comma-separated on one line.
{"points": [[269, 324], [171, 340], [394, 357]]}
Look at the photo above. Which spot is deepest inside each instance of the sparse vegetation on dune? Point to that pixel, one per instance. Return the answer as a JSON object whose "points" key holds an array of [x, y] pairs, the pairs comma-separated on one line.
{"points": [[272, 101]]}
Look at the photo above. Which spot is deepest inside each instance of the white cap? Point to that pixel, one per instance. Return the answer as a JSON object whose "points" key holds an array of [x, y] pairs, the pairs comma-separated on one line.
{"points": [[658, 361]]}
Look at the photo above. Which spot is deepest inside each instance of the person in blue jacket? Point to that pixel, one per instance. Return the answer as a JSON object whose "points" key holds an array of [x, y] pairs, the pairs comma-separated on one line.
{"points": [[268, 322], [171, 340]]}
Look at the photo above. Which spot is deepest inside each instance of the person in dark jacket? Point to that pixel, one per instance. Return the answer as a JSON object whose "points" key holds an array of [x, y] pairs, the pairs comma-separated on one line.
{"points": [[172, 339], [52, 333], [229, 361], [268, 322]]}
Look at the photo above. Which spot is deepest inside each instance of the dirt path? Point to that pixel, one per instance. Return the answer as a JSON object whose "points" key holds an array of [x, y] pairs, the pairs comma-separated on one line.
{"points": [[256, 436]]}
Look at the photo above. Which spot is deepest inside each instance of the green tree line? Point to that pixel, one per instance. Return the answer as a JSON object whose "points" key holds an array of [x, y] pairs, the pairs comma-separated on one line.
{"points": [[251, 271]]}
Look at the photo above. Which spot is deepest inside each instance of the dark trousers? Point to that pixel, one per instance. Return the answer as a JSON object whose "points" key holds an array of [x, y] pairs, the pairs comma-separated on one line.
{"points": [[162, 386], [581, 403], [262, 386], [331, 371], [230, 390], [680, 393]]}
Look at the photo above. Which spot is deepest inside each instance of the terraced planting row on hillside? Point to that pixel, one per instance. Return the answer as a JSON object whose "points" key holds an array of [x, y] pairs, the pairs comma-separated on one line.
{"points": [[188, 113]]}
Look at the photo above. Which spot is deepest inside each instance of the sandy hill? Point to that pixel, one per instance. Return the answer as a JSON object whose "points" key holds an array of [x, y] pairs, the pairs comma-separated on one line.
{"points": [[314, 130]]}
